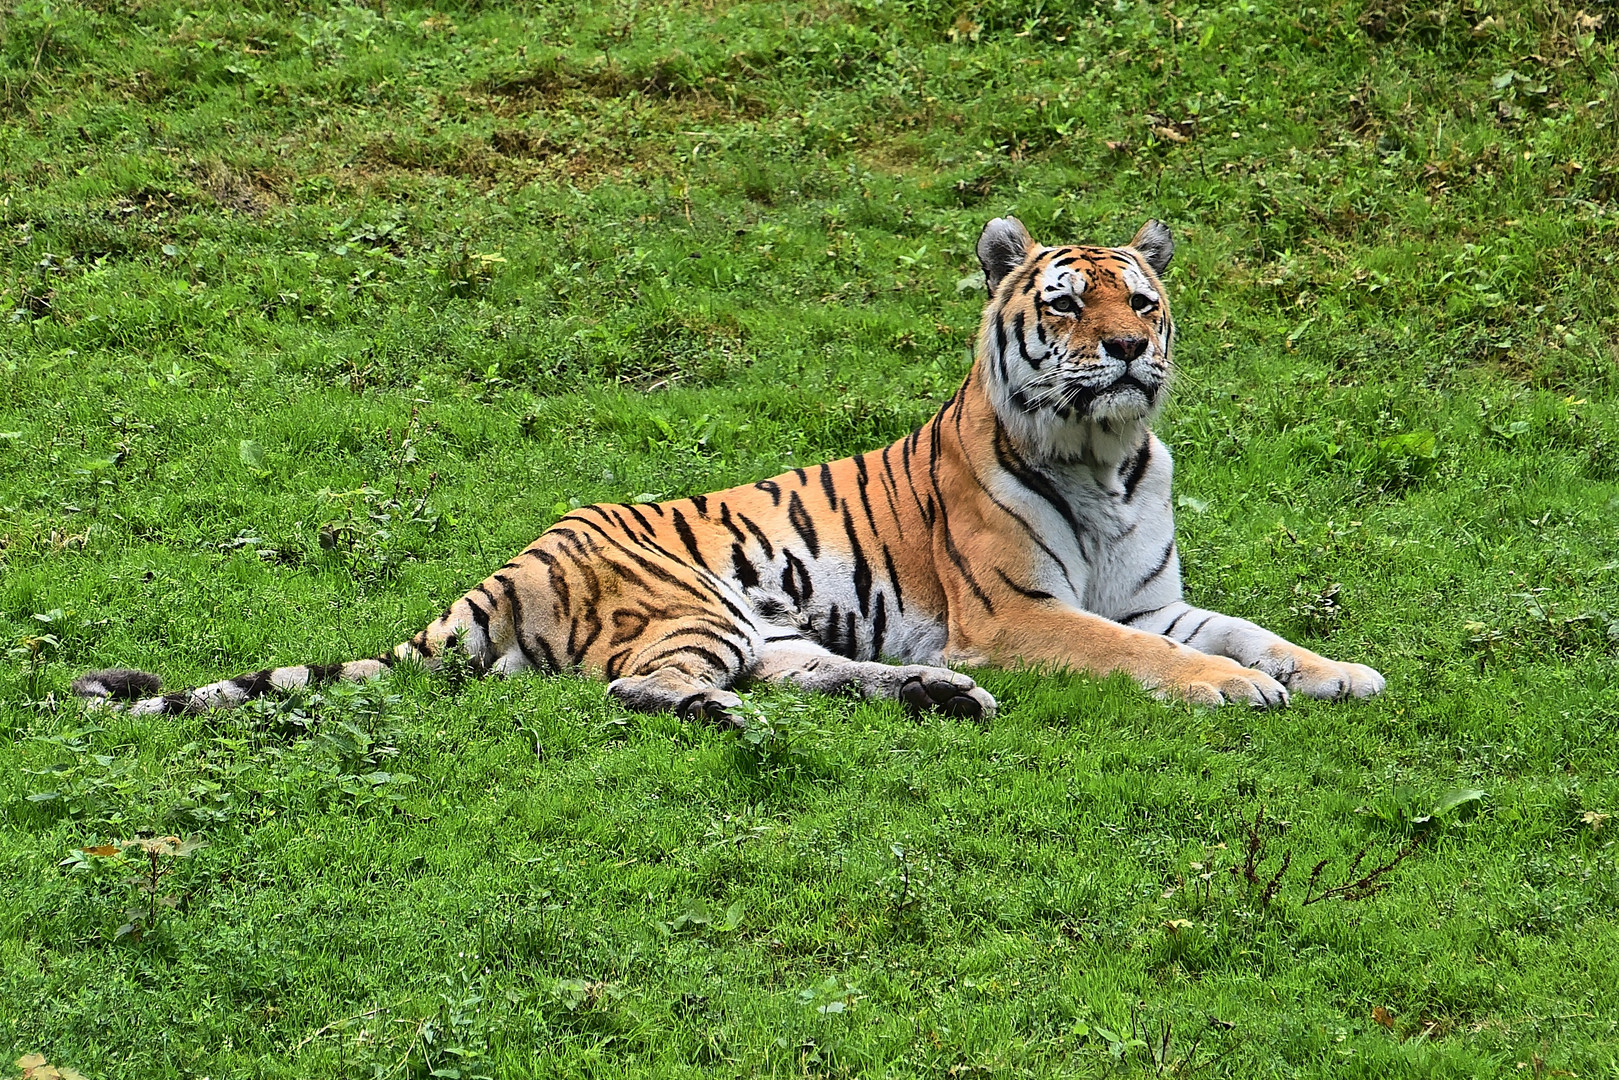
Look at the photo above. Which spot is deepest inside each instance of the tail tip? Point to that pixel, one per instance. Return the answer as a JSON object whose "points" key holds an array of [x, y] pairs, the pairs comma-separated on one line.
{"points": [[120, 684]]}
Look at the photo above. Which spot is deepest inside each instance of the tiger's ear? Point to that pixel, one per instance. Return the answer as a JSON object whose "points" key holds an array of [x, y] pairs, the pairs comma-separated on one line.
{"points": [[1002, 247], [1154, 244]]}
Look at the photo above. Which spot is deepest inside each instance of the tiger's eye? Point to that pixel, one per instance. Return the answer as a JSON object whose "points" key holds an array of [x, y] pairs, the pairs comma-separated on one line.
{"points": [[1142, 302], [1064, 304]]}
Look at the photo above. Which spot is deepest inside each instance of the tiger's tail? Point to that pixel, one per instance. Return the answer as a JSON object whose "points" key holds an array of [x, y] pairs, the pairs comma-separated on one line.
{"points": [[140, 692]]}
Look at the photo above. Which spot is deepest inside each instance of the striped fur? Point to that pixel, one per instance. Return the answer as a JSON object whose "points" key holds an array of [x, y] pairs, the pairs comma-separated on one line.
{"points": [[1028, 521]]}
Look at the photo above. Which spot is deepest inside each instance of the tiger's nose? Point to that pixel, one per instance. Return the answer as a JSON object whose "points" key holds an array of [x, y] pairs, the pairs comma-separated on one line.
{"points": [[1125, 348]]}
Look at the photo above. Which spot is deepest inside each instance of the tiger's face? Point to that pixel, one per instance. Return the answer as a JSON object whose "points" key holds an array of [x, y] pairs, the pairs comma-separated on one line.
{"points": [[1076, 336]]}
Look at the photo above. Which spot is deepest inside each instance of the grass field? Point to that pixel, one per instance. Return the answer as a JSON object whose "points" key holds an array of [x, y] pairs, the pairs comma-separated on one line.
{"points": [[316, 315]]}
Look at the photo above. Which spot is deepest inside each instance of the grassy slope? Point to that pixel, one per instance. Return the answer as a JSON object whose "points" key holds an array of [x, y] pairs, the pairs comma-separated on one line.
{"points": [[665, 248]]}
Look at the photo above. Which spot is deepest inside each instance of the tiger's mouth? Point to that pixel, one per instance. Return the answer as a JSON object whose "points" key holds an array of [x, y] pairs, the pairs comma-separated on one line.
{"points": [[1130, 382], [1126, 398]]}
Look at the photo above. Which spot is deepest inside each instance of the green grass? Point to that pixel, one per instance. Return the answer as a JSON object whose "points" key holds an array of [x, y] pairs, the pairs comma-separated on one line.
{"points": [[320, 315]]}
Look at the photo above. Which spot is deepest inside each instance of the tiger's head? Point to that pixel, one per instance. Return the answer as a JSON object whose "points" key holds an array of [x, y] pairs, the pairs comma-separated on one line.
{"points": [[1076, 341]]}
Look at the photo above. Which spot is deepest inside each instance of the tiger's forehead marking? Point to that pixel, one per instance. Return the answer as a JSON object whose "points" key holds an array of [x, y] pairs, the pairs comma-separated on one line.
{"points": [[1075, 270], [1057, 279], [1066, 270]]}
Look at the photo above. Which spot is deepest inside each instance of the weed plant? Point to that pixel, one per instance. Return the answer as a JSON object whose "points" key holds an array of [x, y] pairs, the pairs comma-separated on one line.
{"points": [[314, 314]]}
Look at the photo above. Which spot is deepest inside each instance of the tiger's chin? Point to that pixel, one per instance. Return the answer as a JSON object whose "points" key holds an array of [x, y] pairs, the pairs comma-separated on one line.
{"points": [[1104, 434], [1122, 405], [1102, 428]]}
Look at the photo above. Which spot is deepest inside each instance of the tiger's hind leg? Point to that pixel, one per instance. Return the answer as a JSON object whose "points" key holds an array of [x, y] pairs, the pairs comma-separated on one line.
{"points": [[920, 686], [685, 659], [671, 689]]}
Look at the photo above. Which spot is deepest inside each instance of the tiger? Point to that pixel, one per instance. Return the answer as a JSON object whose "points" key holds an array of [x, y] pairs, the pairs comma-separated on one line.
{"points": [[1028, 522]]}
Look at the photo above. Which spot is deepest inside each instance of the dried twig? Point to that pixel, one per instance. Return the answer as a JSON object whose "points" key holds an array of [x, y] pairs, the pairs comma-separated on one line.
{"points": [[44, 40], [1362, 888], [358, 1016], [1274, 886], [1254, 855]]}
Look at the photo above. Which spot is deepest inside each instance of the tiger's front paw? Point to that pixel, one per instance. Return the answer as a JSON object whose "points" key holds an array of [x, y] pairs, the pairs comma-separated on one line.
{"points": [[1304, 672], [1215, 680], [1335, 681]]}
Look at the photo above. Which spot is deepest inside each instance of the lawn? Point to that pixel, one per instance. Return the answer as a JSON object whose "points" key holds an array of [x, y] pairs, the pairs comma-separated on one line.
{"points": [[315, 315]]}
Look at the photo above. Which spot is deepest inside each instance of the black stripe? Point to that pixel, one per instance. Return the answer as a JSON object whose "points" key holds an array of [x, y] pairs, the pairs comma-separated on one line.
{"points": [[910, 481], [1196, 628], [707, 578], [758, 534], [972, 470], [253, 685], [803, 478], [577, 646], [639, 517], [713, 659], [1130, 619], [834, 626], [862, 478], [879, 627], [893, 577], [746, 574], [1031, 279], [891, 491], [324, 673], [510, 590], [799, 518], [479, 616], [935, 435], [420, 644], [827, 486], [701, 502], [683, 530], [652, 568], [1000, 346], [1170, 628], [550, 666], [1163, 564], [628, 624], [960, 563], [708, 635], [862, 568], [791, 575], [1021, 325], [772, 488], [1138, 469], [725, 519], [1024, 473], [1032, 594], [618, 519], [558, 580]]}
